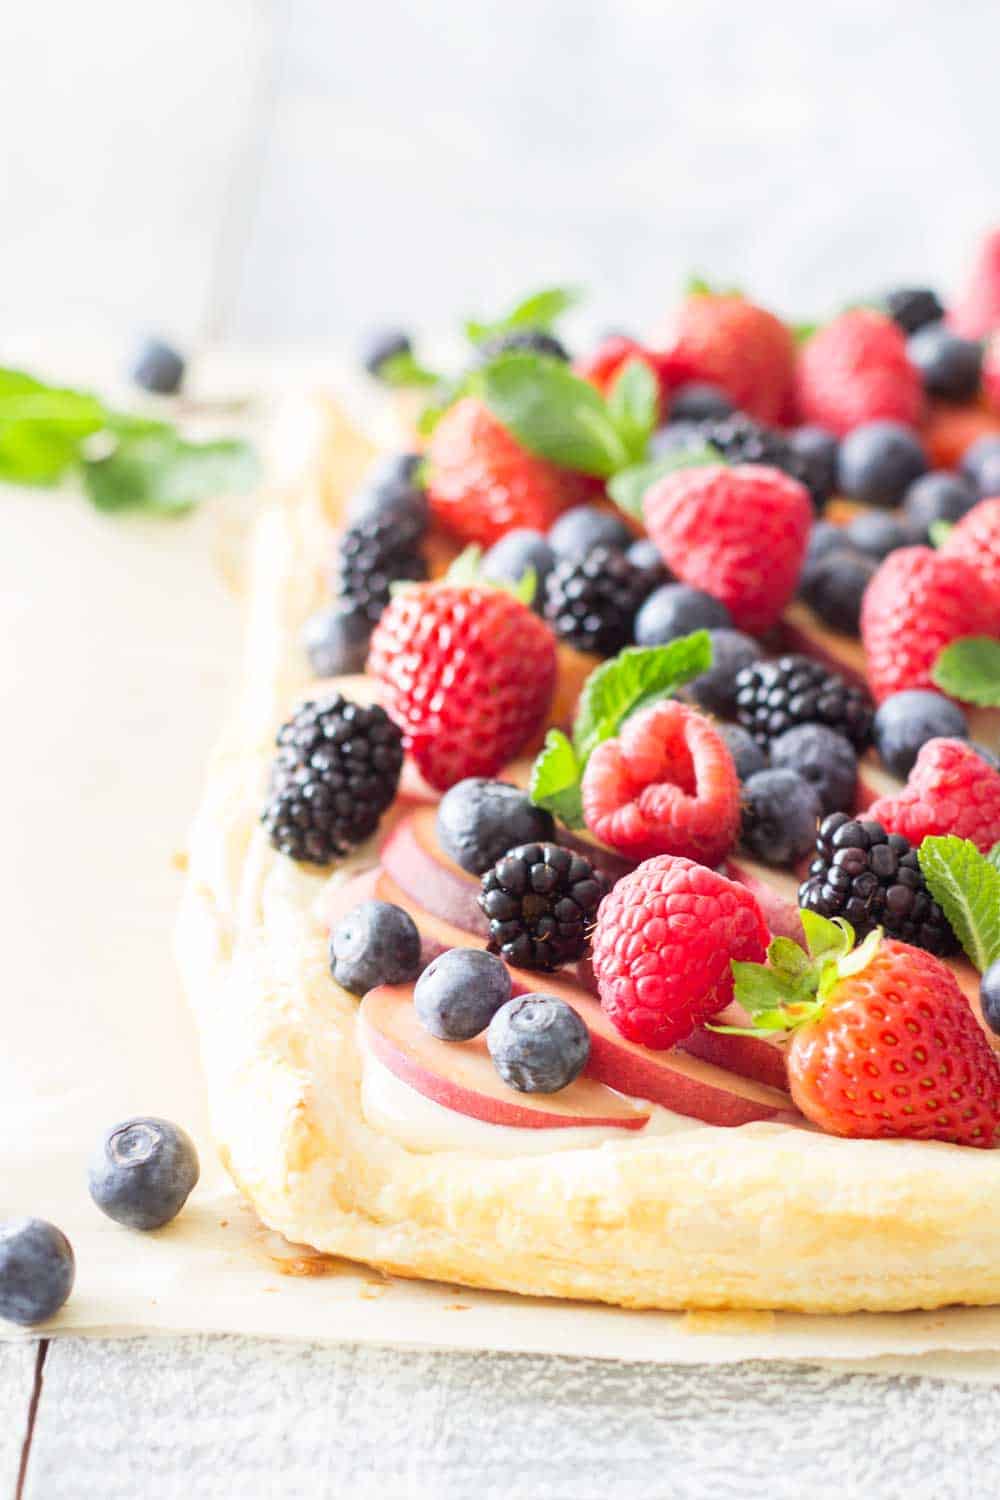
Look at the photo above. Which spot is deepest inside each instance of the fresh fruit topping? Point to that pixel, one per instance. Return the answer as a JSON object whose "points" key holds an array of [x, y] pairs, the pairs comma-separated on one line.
{"points": [[976, 540], [715, 690], [772, 696], [878, 462], [951, 789], [748, 757], [375, 943], [949, 366], [579, 530], [981, 465], [540, 900], [667, 785], [482, 482], [989, 997], [37, 1270], [936, 497], [872, 879], [373, 555], [991, 373], [883, 1040], [824, 758], [700, 401], [817, 452], [780, 813], [467, 672], [335, 773], [970, 669], [538, 1044], [919, 602], [336, 641], [739, 534], [834, 585], [143, 1172], [387, 355], [524, 341], [591, 602], [876, 534], [676, 609], [905, 722], [741, 440], [645, 555], [479, 820], [392, 488], [731, 343], [662, 948], [602, 367], [856, 370], [913, 307], [509, 560], [158, 367], [977, 311], [457, 996], [966, 883], [635, 678], [536, 313]]}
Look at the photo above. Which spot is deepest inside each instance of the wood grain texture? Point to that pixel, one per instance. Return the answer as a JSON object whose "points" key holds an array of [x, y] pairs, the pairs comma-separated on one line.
{"points": [[225, 1417], [17, 1378]]}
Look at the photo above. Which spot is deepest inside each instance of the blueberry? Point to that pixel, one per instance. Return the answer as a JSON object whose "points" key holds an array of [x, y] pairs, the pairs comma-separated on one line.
{"points": [[538, 1044], [396, 471], [37, 1269], [989, 997], [817, 450], [457, 996], [949, 366], [143, 1171], [904, 722], [876, 534], [834, 586], [159, 368], [715, 690], [822, 757], [376, 943], [936, 497], [336, 641], [878, 461], [700, 401], [675, 609], [824, 538], [382, 346], [479, 820], [645, 555], [780, 814], [580, 530], [981, 465], [748, 756], [913, 307], [509, 559]]}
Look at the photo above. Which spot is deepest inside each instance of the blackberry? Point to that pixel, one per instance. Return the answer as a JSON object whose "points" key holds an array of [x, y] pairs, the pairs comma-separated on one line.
{"points": [[541, 901], [741, 440], [873, 879], [373, 554], [591, 602], [912, 307], [335, 773], [772, 696]]}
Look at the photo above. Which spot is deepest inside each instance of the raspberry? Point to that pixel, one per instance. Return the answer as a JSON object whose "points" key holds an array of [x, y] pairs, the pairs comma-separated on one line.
{"points": [[951, 789], [976, 539], [662, 948], [668, 785], [918, 602], [856, 370], [739, 534]]}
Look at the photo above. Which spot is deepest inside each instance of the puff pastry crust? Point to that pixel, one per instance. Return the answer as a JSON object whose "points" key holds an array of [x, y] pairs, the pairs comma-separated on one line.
{"points": [[763, 1216]]}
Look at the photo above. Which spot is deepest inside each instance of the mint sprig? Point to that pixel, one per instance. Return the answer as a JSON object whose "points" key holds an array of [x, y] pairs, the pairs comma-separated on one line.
{"points": [[629, 488], [553, 413], [540, 311], [966, 886], [634, 679], [969, 669], [404, 371]]}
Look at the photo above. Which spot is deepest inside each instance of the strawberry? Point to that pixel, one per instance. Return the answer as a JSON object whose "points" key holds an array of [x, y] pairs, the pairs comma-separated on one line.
{"points": [[950, 789], [732, 343], [482, 482], [602, 366], [467, 672], [666, 786], [976, 539], [856, 370], [883, 1041], [977, 311], [918, 602], [991, 374], [738, 533]]}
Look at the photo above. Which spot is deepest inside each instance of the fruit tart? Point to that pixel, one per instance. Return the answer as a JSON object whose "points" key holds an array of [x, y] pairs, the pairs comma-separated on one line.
{"points": [[596, 892]]}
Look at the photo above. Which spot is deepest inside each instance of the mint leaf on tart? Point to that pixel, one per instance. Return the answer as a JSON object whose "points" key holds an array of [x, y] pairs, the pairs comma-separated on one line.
{"points": [[552, 412], [634, 404], [628, 489], [555, 780], [540, 311], [969, 669], [966, 886]]}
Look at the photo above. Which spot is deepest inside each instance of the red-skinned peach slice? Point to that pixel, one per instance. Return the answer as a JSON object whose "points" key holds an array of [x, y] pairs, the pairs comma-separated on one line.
{"points": [[415, 860], [461, 1075]]}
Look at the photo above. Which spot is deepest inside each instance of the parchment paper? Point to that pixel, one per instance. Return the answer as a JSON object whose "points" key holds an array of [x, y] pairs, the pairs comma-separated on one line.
{"points": [[118, 643]]}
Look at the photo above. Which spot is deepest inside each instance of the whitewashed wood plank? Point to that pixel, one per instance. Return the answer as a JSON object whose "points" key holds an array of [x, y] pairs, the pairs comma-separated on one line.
{"points": [[225, 1417], [17, 1379]]}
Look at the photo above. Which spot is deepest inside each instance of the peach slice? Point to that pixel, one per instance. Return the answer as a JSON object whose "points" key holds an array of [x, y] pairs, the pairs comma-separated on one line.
{"points": [[461, 1075]]}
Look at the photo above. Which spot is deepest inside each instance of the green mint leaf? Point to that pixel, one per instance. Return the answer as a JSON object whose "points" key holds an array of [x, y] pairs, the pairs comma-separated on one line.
{"points": [[803, 332], [966, 885], [969, 669], [634, 404], [42, 428], [555, 780], [552, 412], [404, 371], [628, 489], [634, 679], [994, 856], [939, 532], [539, 310], [164, 473]]}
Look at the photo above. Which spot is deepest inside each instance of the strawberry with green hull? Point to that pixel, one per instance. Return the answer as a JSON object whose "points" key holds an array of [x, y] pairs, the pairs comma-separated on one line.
{"points": [[728, 341]]}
